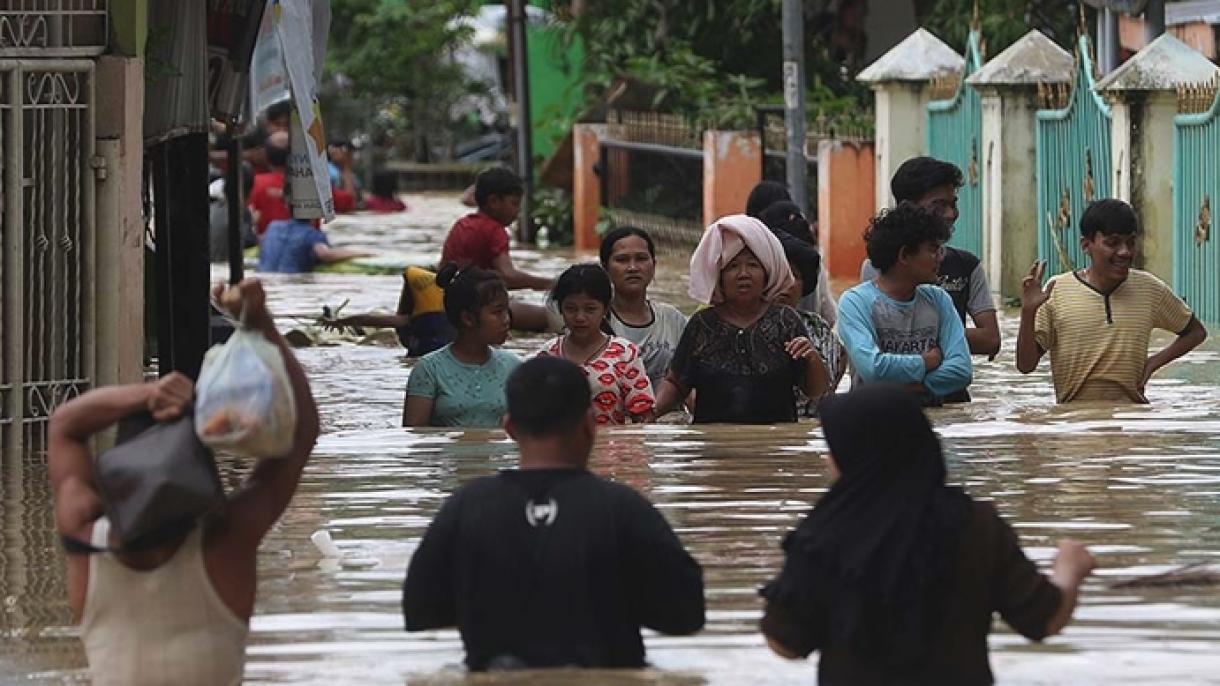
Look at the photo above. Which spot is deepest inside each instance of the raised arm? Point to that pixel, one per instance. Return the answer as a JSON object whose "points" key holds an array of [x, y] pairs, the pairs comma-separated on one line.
{"points": [[1032, 298], [265, 495], [69, 458]]}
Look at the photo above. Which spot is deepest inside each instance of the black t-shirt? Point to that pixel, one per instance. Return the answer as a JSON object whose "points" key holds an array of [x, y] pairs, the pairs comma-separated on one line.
{"points": [[550, 568], [955, 271], [742, 376]]}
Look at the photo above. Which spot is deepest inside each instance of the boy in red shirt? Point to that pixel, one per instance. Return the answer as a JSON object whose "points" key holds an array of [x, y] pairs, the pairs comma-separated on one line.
{"points": [[266, 201], [481, 238]]}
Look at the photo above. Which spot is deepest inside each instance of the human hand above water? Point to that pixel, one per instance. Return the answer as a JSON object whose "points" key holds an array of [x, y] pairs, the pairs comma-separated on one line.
{"points": [[1073, 562], [800, 348], [169, 396], [932, 358], [1032, 294]]}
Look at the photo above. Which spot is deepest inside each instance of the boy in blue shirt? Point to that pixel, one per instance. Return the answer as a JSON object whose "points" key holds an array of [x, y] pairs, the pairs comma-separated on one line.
{"points": [[900, 327]]}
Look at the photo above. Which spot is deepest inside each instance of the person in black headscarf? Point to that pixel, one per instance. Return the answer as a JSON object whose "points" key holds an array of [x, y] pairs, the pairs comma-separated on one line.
{"points": [[893, 575]]}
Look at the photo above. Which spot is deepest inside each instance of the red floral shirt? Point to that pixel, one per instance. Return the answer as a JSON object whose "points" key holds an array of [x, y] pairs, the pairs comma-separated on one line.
{"points": [[617, 379]]}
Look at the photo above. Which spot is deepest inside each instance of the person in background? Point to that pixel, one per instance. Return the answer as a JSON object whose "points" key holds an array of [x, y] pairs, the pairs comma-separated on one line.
{"points": [[344, 189], [630, 259], [480, 239], [296, 246], [266, 201], [616, 372], [893, 576], [804, 261], [384, 197], [1096, 322], [218, 216], [419, 320], [743, 355], [548, 565], [462, 384], [900, 327], [763, 195], [932, 184], [275, 118], [177, 611], [784, 215]]}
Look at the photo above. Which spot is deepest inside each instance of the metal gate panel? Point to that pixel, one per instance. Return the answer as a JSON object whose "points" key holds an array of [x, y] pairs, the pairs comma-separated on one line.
{"points": [[1073, 165], [1196, 190], [48, 243], [954, 132]]}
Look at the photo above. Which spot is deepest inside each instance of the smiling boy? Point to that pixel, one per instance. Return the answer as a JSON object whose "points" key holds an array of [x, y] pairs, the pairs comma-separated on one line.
{"points": [[1096, 322]]}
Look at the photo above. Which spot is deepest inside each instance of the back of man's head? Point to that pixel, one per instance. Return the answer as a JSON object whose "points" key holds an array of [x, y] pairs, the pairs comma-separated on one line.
{"points": [[548, 397], [496, 181], [1108, 216], [918, 176], [903, 228]]}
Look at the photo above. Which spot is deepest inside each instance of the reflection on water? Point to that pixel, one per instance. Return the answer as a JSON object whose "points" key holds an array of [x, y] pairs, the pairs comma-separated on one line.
{"points": [[1140, 485]]}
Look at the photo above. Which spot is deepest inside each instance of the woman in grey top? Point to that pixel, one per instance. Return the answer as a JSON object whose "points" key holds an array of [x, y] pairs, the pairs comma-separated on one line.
{"points": [[629, 256]]}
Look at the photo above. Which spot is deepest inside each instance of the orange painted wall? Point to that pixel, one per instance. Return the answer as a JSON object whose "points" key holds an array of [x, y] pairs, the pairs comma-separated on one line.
{"points": [[846, 190], [586, 185], [732, 165]]}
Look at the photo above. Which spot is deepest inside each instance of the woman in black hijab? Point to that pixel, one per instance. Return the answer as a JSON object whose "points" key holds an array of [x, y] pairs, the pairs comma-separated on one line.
{"points": [[894, 576]]}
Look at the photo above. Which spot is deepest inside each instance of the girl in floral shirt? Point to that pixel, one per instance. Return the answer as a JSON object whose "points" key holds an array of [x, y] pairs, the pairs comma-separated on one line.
{"points": [[616, 373]]}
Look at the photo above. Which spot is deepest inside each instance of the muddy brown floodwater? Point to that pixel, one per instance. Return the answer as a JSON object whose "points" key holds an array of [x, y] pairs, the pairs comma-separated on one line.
{"points": [[1139, 485]]}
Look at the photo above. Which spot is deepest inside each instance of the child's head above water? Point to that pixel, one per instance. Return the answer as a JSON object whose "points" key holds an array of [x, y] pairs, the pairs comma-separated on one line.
{"points": [[497, 192]]}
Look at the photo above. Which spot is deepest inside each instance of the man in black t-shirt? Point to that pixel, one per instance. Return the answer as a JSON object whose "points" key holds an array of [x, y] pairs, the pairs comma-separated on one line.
{"points": [[549, 565], [933, 185]]}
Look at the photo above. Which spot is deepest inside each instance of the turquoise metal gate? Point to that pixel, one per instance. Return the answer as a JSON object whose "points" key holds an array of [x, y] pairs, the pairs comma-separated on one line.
{"points": [[1074, 166], [955, 129], [1196, 187]]}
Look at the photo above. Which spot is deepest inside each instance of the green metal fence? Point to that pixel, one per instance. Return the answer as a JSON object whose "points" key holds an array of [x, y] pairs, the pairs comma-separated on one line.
{"points": [[1074, 166], [1196, 186], [954, 134]]}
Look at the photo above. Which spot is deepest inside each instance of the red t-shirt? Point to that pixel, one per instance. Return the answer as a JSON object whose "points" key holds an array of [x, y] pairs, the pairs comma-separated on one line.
{"points": [[267, 199], [376, 203], [475, 239]]}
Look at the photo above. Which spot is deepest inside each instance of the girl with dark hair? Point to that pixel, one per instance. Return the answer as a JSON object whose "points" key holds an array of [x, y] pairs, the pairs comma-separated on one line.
{"points": [[462, 384], [616, 372], [894, 576], [629, 257]]}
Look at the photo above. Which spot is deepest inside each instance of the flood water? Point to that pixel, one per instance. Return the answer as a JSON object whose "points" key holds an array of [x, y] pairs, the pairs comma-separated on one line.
{"points": [[1139, 485]]}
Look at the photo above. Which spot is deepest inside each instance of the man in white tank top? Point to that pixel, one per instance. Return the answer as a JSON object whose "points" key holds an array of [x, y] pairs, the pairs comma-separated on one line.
{"points": [[177, 613]]}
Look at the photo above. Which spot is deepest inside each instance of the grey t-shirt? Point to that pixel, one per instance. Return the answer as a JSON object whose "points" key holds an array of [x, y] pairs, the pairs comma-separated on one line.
{"points": [[657, 340]]}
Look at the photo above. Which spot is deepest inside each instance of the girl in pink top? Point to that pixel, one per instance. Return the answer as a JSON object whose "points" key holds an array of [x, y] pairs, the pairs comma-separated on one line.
{"points": [[617, 377]]}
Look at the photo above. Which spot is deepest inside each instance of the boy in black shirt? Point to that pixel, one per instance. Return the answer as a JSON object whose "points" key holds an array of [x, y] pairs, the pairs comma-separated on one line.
{"points": [[549, 565]]}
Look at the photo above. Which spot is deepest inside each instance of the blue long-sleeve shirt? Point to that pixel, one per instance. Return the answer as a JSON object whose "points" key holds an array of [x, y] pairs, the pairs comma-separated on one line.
{"points": [[885, 338]]}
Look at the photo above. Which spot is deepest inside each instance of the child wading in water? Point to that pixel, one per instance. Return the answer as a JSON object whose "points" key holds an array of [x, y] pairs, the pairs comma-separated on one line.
{"points": [[616, 373]]}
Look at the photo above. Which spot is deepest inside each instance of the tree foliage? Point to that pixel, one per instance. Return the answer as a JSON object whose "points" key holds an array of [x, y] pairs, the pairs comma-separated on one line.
{"points": [[715, 59], [1001, 22], [395, 56]]}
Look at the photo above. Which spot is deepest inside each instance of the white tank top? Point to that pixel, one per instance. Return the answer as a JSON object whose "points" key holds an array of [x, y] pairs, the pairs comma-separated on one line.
{"points": [[161, 626]]}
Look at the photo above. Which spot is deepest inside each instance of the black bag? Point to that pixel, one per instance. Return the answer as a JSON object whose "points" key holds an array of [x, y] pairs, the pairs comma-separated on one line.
{"points": [[161, 479]]}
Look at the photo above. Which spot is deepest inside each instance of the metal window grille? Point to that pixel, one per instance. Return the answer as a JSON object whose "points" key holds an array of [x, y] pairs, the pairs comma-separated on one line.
{"points": [[46, 237], [53, 28]]}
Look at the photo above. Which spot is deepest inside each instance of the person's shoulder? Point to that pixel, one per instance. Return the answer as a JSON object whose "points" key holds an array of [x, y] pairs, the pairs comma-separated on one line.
{"points": [[667, 311], [440, 356], [618, 346], [963, 257], [1143, 279], [552, 346], [934, 293], [505, 358], [865, 290]]}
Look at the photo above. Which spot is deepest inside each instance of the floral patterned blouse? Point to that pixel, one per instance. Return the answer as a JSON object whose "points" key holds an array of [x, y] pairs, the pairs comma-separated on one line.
{"points": [[617, 378]]}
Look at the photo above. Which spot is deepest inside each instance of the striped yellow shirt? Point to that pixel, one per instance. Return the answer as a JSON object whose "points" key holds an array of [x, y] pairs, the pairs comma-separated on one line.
{"points": [[1099, 343]]}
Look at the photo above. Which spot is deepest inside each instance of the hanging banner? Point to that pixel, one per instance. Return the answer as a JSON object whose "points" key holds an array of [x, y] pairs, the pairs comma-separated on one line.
{"points": [[307, 174], [268, 75]]}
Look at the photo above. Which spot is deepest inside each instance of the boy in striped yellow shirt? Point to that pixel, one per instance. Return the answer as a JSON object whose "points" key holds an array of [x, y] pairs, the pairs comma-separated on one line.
{"points": [[1096, 322]]}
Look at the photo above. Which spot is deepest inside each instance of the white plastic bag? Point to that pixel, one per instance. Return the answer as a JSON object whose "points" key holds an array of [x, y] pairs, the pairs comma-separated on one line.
{"points": [[243, 400]]}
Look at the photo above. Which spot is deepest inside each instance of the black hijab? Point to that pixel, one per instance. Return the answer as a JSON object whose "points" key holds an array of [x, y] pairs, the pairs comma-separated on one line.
{"points": [[872, 559]]}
